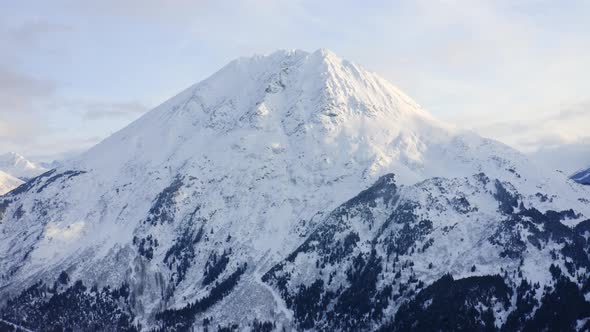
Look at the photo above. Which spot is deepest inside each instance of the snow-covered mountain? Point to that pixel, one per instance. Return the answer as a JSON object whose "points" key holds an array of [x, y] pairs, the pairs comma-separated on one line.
{"points": [[18, 166], [8, 182], [293, 190], [582, 177]]}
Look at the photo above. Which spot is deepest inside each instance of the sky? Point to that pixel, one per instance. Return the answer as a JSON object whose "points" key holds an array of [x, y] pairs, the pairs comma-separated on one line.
{"points": [[74, 72]]}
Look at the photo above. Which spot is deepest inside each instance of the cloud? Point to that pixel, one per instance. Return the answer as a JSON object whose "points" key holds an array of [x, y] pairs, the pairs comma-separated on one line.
{"points": [[576, 111], [30, 34], [20, 96], [565, 126], [35, 116], [29, 38], [568, 157], [23, 96], [18, 91], [102, 110]]}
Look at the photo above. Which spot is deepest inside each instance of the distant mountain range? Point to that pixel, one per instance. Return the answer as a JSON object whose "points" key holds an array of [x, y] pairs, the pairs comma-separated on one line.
{"points": [[18, 166], [16, 169]]}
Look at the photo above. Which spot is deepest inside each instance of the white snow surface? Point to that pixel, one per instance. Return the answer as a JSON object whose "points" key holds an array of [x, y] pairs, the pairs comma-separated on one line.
{"points": [[20, 167], [8, 182], [263, 147]]}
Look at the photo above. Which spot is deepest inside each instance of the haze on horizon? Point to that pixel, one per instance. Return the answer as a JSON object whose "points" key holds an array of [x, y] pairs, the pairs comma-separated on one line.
{"points": [[73, 73]]}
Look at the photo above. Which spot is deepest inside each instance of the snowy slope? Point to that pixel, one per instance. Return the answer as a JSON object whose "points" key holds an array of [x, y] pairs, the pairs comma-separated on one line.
{"points": [[394, 239], [18, 166], [207, 192], [8, 182]]}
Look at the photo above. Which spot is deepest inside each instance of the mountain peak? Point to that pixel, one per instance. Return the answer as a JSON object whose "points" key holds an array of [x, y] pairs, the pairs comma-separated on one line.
{"points": [[11, 157], [314, 85], [281, 54], [327, 55], [325, 52], [289, 98], [18, 166]]}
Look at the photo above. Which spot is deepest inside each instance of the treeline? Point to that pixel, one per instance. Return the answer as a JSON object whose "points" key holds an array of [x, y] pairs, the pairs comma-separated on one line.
{"points": [[71, 307], [183, 318]]}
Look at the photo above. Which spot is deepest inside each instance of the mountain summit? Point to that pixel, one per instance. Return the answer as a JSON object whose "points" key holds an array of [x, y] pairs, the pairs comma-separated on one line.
{"points": [[276, 193], [19, 167], [292, 101]]}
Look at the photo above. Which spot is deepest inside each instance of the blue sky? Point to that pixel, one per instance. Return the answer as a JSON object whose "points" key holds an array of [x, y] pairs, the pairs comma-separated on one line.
{"points": [[73, 72]]}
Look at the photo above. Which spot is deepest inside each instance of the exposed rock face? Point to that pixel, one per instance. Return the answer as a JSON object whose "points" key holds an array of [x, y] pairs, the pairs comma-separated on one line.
{"points": [[582, 177]]}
